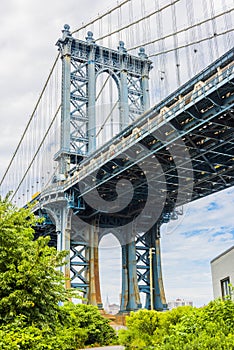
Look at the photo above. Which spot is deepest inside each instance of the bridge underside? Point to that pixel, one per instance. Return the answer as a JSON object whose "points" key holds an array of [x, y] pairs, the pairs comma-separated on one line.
{"points": [[186, 147]]}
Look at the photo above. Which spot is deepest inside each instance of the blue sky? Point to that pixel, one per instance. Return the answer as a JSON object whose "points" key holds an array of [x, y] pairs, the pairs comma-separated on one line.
{"points": [[205, 231], [29, 31]]}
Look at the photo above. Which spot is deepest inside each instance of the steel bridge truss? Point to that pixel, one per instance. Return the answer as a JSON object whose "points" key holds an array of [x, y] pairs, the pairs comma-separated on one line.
{"points": [[204, 119], [199, 116], [79, 265], [83, 62]]}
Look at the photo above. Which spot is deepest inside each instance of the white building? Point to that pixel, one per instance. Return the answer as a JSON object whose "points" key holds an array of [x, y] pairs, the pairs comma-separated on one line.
{"points": [[113, 309], [222, 270], [178, 302]]}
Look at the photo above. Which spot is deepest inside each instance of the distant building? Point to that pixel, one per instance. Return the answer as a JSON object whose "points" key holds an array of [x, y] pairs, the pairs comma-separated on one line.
{"points": [[113, 309], [106, 305], [222, 270], [178, 302]]}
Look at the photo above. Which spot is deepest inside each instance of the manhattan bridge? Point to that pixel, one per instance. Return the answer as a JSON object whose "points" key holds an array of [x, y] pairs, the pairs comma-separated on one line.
{"points": [[135, 120]]}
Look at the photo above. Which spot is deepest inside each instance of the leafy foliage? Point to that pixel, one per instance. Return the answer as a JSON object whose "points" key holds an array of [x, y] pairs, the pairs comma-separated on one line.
{"points": [[81, 325], [210, 327], [19, 335], [141, 327], [184, 328], [32, 289], [89, 318], [30, 283]]}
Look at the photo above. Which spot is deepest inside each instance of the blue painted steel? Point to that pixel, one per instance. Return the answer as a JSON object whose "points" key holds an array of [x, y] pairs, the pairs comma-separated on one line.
{"points": [[196, 116], [83, 61]]}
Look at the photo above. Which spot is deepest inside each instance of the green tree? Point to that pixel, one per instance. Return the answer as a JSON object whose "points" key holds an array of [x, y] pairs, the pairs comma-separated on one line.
{"points": [[141, 326], [32, 289], [184, 328], [20, 335], [210, 327], [30, 281], [88, 317]]}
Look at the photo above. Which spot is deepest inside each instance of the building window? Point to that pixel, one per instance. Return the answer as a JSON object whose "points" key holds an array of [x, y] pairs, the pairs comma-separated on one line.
{"points": [[225, 288]]}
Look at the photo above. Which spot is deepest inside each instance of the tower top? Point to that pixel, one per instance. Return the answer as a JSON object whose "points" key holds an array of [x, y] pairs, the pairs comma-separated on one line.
{"points": [[66, 31], [89, 38], [121, 47], [142, 53]]}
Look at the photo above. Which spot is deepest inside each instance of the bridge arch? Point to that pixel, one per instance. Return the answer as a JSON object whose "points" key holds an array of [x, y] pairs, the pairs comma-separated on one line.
{"points": [[111, 73]]}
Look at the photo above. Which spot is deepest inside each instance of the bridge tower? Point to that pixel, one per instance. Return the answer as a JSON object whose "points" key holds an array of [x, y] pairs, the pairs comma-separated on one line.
{"points": [[82, 63]]}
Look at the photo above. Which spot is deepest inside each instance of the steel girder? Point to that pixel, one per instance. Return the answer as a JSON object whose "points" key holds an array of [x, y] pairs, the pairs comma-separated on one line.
{"points": [[46, 229], [149, 271], [202, 116], [206, 128], [79, 265]]}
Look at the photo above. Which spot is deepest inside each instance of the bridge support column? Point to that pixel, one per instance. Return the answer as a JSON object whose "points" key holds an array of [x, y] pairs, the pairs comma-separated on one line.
{"points": [[145, 88], [155, 299], [145, 80], [61, 216], [94, 292], [130, 298], [64, 239], [65, 49], [123, 98]]}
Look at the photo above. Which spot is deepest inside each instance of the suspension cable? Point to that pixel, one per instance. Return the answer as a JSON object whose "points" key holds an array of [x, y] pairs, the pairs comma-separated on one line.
{"points": [[103, 86], [214, 27], [192, 33], [108, 116], [137, 21], [228, 40], [193, 43], [37, 151], [180, 31], [130, 25], [175, 42], [30, 119], [101, 16]]}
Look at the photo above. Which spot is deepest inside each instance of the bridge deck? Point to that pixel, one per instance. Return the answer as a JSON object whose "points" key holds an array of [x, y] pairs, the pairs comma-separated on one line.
{"points": [[190, 134]]}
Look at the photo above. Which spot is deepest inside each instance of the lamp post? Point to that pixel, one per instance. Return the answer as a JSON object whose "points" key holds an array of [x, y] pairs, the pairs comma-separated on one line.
{"points": [[151, 252]]}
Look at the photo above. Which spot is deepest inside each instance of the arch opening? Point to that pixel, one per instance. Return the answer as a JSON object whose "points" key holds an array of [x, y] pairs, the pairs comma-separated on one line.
{"points": [[110, 273], [107, 108]]}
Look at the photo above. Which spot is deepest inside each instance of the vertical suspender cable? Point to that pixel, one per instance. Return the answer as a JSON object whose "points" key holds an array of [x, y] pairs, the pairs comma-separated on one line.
{"points": [[227, 18], [214, 27], [119, 22], [188, 57], [30, 120], [175, 40], [163, 81], [130, 30], [148, 27], [102, 16], [143, 23], [193, 37], [210, 47]]}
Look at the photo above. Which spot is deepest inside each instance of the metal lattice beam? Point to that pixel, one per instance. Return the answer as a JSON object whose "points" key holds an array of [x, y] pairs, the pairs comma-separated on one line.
{"points": [[79, 266]]}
